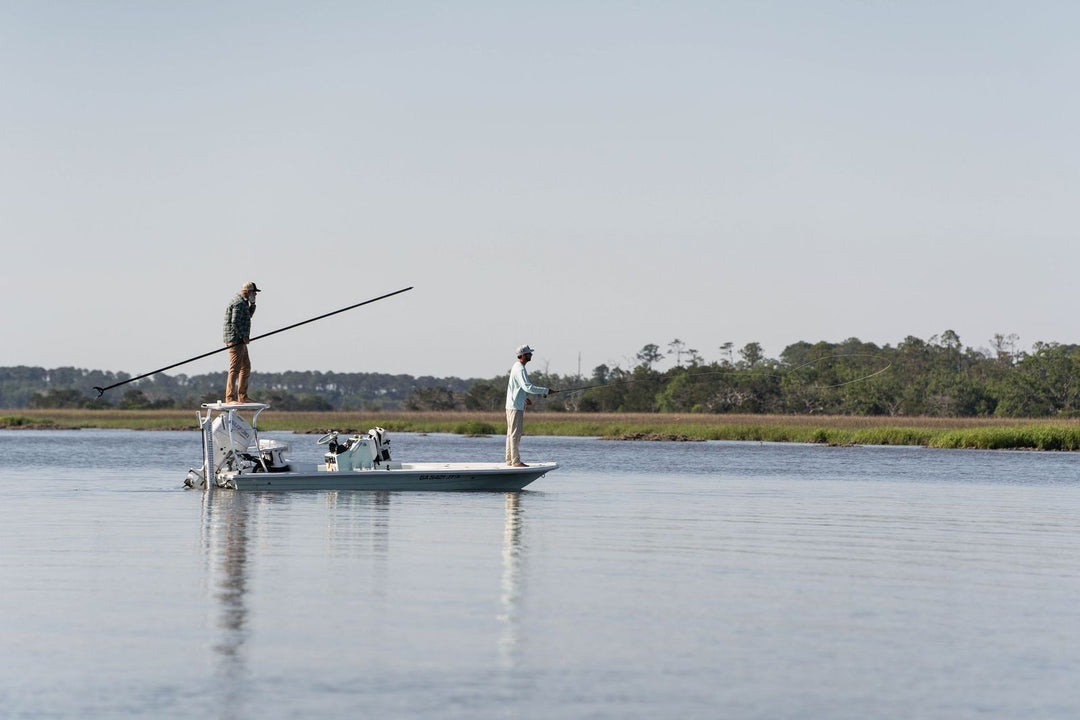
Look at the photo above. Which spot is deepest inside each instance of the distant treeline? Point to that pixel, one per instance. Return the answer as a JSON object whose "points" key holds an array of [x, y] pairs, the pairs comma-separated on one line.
{"points": [[939, 377], [72, 387]]}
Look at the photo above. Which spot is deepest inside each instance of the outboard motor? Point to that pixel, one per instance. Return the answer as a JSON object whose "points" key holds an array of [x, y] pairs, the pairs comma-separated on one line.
{"points": [[232, 435]]}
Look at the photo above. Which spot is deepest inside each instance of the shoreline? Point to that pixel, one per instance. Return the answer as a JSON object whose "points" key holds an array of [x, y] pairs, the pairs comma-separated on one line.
{"points": [[839, 430]]}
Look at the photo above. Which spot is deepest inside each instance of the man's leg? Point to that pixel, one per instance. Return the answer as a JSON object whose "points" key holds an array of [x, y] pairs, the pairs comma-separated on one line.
{"points": [[234, 372], [243, 374], [515, 420]]}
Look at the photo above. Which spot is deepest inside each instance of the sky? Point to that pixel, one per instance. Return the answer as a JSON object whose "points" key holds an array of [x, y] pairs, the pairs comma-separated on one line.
{"points": [[585, 177]]}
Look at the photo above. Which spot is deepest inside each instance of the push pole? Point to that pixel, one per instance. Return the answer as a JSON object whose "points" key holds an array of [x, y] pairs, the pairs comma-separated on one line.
{"points": [[101, 390]]}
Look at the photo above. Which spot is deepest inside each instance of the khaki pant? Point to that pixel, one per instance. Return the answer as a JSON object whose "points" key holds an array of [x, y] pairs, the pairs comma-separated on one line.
{"points": [[515, 422], [239, 370]]}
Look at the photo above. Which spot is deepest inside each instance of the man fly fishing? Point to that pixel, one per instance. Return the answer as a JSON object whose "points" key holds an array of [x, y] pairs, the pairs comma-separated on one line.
{"points": [[518, 389]]}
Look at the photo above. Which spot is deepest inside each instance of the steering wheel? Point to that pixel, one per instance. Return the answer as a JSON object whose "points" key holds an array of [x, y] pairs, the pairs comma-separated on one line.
{"points": [[327, 438]]}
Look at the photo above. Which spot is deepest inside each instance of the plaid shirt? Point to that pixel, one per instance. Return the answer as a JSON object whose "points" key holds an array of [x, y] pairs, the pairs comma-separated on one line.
{"points": [[238, 320]]}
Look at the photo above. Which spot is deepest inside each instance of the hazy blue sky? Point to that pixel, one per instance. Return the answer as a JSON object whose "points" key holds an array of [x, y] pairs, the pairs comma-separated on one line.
{"points": [[586, 177]]}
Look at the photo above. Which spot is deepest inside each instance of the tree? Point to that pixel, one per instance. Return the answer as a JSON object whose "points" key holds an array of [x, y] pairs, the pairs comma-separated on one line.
{"points": [[283, 400], [1043, 383], [1005, 348], [134, 400], [689, 391], [607, 398], [59, 398], [486, 395], [751, 355], [949, 340], [725, 350], [640, 390], [677, 348], [600, 374], [432, 399], [649, 355]]}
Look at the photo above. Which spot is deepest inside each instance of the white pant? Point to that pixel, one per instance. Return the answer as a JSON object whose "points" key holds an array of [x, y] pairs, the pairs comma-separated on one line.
{"points": [[515, 422]]}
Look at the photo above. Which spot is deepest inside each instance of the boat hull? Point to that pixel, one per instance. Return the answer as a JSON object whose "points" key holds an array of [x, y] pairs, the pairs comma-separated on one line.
{"points": [[434, 477]]}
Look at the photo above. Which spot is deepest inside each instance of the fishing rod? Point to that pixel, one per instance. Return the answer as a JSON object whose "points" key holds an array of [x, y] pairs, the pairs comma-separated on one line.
{"points": [[101, 390], [734, 372]]}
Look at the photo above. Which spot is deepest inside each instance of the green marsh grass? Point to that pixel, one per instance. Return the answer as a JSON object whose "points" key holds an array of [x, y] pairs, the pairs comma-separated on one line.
{"points": [[975, 433], [22, 421]]}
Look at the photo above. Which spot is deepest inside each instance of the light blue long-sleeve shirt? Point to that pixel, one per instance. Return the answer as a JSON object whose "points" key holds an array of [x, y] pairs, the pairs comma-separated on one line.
{"points": [[519, 387]]}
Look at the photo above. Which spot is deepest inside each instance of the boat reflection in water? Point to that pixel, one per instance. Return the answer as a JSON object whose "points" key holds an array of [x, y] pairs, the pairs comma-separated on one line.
{"points": [[244, 561]]}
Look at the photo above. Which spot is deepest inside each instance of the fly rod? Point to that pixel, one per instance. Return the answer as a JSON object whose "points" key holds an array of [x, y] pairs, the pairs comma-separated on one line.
{"points": [[101, 390]]}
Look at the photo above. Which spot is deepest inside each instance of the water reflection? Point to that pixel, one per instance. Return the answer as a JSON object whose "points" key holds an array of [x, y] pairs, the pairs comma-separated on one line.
{"points": [[358, 526], [225, 543], [356, 537], [347, 505], [510, 597]]}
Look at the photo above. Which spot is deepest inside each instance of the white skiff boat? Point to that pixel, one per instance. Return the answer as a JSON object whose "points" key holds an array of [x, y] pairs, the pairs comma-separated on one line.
{"points": [[234, 457]]}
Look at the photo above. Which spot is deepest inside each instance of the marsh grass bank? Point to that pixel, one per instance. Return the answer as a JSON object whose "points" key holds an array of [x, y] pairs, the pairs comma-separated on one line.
{"points": [[975, 433]]}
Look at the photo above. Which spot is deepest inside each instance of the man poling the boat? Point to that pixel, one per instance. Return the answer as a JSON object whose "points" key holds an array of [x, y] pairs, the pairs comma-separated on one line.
{"points": [[237, 333], [101, 390], [518, 389]]}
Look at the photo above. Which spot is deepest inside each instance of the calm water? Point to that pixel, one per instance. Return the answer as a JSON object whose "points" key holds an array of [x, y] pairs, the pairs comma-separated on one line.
{"points": [[641, 580]]}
